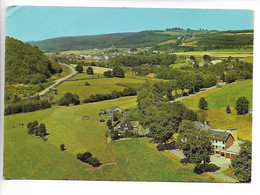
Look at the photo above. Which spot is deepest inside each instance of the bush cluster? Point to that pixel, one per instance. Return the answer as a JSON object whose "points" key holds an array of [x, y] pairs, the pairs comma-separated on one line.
{"points": [[36, 129], [27, 106], [68, 99], [88, 158], [115, 94]]}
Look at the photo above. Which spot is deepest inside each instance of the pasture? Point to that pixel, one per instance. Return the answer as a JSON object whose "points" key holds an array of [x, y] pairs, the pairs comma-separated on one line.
{"points": [[27, 156]]}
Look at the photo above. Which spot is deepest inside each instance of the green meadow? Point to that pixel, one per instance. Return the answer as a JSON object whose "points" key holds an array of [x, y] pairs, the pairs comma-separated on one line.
{"points": [[97, 85], [218, 99], [27, 156], [221, 97]]}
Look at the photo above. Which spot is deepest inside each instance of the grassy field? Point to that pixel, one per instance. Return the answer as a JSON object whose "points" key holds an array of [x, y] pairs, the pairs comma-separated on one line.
{"points": [[101, 85], [225, 53], [221, 97], [26, 156], [65, 127], [218, 99]]}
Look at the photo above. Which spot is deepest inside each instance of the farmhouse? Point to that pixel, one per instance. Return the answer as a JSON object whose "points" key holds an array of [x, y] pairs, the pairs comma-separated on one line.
{"points": [[124, 125], [115, 108], [224, 141]]}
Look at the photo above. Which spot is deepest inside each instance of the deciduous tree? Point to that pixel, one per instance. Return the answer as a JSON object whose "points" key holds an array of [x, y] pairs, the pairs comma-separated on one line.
{"points": [[203, 104], [242, 105], [242, 162], [90, 71]]}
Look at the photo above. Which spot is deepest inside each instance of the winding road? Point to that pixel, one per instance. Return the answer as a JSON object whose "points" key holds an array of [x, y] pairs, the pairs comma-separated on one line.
{"points": [[58, 81]]}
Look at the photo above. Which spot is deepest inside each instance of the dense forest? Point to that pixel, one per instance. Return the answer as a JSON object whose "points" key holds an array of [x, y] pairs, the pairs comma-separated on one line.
{"points": [[27, 64]]}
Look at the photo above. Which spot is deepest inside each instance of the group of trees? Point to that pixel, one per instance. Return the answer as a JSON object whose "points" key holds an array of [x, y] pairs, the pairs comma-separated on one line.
{"points": [[89, 70], [27, 64], [116, 72], [138, 60], [68, 99], [26, 106], [193, 81], [165, 119], [129, 91], [87, 157], [36, 129], [162, 118], [195, 144]]}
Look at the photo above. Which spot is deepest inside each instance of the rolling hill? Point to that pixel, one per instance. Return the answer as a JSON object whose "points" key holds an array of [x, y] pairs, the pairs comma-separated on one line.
{"points": [[27, 64], [158, 39]]}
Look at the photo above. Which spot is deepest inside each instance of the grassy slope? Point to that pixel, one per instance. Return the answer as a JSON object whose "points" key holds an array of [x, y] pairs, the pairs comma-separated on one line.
{"points": [[102, 85], [65, 126], [218, 99], [221, 97], [26, 156]]}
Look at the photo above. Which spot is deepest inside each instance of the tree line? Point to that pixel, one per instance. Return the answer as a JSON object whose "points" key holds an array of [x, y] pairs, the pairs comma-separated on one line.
{"points": [[129, 91], [26, 106]]}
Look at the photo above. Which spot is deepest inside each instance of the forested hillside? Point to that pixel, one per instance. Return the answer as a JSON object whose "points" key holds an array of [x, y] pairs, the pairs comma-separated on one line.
{"points": [[178, 40], [140, 39], [27, 64]]}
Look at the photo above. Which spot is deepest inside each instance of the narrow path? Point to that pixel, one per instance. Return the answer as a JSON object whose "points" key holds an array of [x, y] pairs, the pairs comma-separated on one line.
{"points": [[58, 81], [224, 177], [183, 97]]}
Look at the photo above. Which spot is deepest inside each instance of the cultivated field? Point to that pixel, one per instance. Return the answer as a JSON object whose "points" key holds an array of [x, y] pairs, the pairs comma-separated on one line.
{"points": [[224, 53]]}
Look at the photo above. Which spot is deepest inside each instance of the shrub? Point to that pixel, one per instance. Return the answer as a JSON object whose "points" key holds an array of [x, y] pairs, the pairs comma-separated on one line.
{"points": [[160, 147], [94, 162], [114, 135], [108, 74], [228, 110], [87, 158], [84, 157], [127, 133], [90, 71], [62, 147]]}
